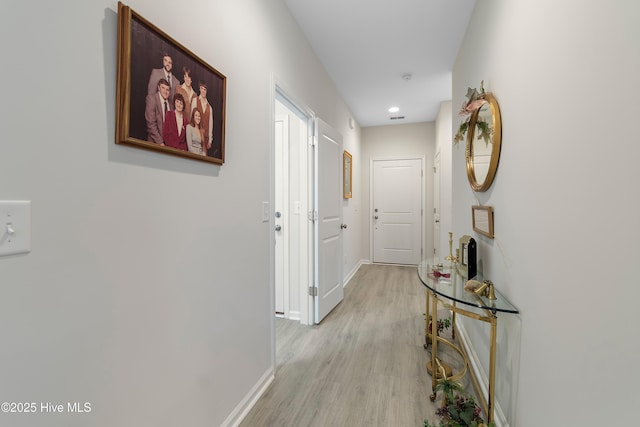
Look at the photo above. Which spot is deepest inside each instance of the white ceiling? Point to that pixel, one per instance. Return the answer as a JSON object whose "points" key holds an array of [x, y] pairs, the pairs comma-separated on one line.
{"points": [[367, 46]]}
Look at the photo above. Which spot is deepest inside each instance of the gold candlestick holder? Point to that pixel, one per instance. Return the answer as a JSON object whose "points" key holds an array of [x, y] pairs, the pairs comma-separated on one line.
{"points": [[450, 257]]}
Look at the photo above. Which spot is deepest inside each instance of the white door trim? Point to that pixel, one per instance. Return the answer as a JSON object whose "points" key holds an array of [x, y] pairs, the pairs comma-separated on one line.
{"points": [[279, 89], [423, 238]]}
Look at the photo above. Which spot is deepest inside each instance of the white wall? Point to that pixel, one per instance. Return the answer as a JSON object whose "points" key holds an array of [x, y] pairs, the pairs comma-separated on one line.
{"points": [[353, 209], [415, 139], [566, 245], [444, 147], [147, 291]]}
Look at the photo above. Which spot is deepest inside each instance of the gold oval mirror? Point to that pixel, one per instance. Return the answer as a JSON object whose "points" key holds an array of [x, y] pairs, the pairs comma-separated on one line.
{"points": [[483, 144]]}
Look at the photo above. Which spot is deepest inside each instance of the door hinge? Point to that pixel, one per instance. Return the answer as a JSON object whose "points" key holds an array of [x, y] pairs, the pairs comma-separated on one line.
{"points": [[313, 291], [313, 216], [312, 140]]}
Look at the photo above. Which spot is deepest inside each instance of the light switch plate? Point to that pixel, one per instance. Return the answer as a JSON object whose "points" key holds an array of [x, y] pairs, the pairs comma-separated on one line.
{"points": [[15, 227]]}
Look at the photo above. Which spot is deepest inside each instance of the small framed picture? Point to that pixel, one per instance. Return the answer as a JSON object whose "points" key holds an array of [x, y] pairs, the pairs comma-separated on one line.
{"points": [[482, 218], [347, 174]]}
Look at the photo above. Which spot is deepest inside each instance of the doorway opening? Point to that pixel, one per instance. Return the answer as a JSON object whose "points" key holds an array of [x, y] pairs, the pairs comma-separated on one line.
{"points": [[292, 201], [306, 195]]}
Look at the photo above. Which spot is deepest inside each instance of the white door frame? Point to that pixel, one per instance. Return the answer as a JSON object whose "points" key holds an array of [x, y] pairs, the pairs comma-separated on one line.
{"points": [[279, 90], [423, 238]]}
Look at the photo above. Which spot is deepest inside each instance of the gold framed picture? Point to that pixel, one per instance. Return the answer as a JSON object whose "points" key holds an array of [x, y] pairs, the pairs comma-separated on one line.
{"points": [[167, 98], [482, 219], [347, 174]]}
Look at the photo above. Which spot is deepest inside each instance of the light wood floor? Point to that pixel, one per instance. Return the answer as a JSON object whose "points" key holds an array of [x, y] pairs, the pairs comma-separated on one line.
{"points": [[364, 365]]}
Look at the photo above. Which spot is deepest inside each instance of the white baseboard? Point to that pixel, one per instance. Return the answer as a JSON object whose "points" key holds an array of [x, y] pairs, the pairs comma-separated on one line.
{"points": [[294, 315], [240, 412], [480, 374], [354, 271]]}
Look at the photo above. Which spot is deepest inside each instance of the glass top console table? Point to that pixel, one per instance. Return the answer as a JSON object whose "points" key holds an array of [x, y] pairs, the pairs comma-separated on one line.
{"points": [[445, 282]]}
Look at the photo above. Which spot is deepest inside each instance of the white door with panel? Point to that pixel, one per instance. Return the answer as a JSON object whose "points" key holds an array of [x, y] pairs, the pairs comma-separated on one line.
{"points": [[281, 211], [328, 226], [397, 211], [436, 207]]}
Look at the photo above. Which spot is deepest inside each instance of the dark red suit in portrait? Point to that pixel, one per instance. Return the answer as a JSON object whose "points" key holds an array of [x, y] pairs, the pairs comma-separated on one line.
{"points": [[170, 132]]}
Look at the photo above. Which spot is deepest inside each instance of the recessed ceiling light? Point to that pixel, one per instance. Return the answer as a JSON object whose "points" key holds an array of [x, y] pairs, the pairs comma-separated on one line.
{"points": [[394, 109]]}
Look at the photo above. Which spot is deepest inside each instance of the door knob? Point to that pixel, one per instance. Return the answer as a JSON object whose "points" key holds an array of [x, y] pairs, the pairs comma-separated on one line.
{"points": [[278, 227], [375, 217], [343, 226]]}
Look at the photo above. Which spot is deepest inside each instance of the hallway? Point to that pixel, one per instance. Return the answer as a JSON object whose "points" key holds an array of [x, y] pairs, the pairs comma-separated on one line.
{"points": [[363, 366]]}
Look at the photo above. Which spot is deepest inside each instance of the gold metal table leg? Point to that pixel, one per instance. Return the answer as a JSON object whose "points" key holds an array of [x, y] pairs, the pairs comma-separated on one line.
{"points": [[426, 321], [453, 322], [434, 348], [492, 368]]}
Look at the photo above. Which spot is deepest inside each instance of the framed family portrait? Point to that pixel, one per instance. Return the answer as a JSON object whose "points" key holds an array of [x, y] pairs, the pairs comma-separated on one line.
{"points": [[167, 98]]}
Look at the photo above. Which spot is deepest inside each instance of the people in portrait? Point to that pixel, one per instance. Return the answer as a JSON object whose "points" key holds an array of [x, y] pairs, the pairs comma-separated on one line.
{"points": [[156, 107], [195, 134], [175, 125], [187, 91], [207, 114], [163, 73]]}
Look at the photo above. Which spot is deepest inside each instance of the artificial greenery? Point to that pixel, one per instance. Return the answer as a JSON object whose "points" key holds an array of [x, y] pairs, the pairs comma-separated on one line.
{"points": [[441, 324], [458, 409], [475, 100]]}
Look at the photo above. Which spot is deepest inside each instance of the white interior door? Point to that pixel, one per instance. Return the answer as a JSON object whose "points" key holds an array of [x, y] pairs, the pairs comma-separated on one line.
{"points": [[397, 211], [436, 207], [328, 227], [281, 214], [293, 129]]}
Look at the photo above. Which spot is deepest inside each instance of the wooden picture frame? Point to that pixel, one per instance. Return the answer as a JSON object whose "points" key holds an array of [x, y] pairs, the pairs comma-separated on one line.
{"points": [[145, 53], [347, 175], [482, 220]]}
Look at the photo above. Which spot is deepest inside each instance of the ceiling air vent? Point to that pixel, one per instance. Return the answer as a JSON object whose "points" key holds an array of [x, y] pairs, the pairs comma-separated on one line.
{"points": [[396, 118]]}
